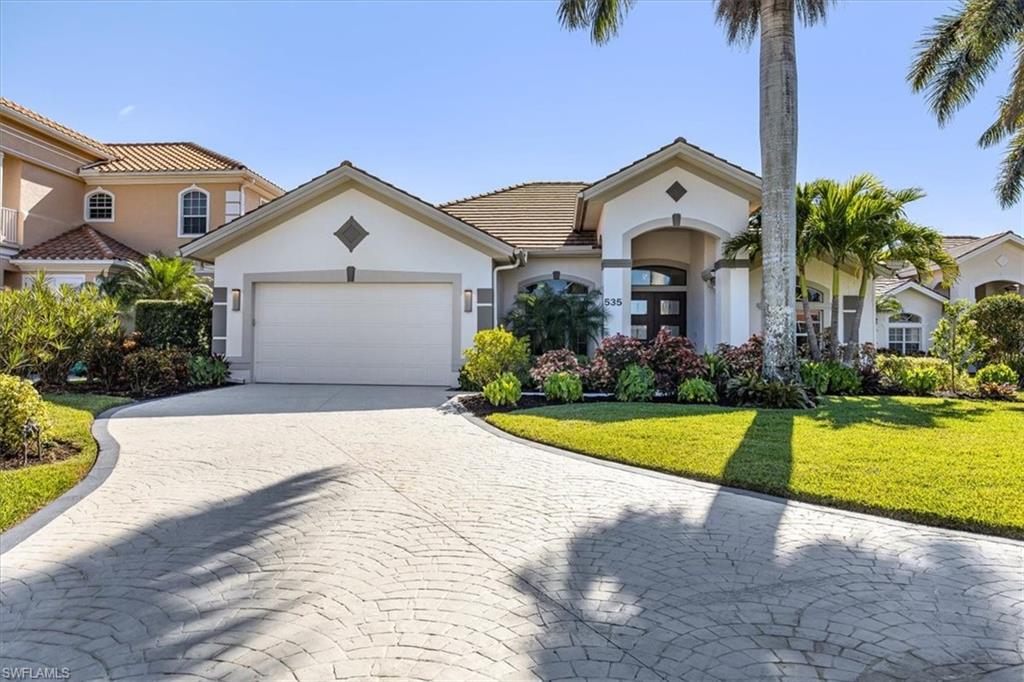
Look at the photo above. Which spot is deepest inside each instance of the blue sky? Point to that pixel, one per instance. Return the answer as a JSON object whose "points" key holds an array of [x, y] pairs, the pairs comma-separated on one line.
{"points": [[451, 99]]}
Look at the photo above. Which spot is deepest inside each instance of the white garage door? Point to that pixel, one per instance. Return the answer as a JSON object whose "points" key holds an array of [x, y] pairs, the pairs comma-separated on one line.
{"points": [[353, 333]]}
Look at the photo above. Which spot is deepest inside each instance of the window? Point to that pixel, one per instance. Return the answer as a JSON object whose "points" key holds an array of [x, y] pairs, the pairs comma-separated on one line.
{"points": [[55, 281], [905, 333], [559, 286], [193, 212], [99, 206], [816, 299], [658, 276]]}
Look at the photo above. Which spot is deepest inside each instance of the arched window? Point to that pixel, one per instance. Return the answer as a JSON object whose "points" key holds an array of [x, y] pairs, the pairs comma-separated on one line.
{"points": [[99, 206], [559, 286], [816, 298], [905, 331], [193, 212]]}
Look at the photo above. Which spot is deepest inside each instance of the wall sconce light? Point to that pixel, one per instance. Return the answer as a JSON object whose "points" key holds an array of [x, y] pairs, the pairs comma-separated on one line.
{"points": [[556, 275], [467, 300], [236, 299]]}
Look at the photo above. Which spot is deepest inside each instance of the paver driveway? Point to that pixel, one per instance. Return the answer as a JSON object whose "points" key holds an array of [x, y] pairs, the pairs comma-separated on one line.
{"points": [[322, 532]]}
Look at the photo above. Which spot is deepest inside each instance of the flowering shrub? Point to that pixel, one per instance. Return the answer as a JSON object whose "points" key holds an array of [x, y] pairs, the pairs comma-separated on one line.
{"points": [[613, 356], [673, 360], [555, 361]]}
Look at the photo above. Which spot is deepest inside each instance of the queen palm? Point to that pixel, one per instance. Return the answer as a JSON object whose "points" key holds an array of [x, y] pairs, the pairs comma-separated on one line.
{"points": [[955, 57], [743, 19]]}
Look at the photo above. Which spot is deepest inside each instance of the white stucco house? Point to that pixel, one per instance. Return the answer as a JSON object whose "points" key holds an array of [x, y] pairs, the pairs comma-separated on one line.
{"points": [[988, 265], [349, 279]]}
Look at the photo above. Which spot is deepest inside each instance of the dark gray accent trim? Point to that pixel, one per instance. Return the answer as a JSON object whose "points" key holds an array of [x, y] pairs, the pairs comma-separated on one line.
{"points": [[350, 273], [219, 321], [219, 346], [351, 233], [848, 320], [677, 219], [484, 296], [250, 280], [732, 263], [239, 363], [484, 318], [850, 302], [220, 294], [676, 191], [616, 263]]}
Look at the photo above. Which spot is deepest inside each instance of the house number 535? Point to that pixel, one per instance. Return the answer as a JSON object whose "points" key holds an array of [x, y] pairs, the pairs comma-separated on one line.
{"points": [[609, 302]]}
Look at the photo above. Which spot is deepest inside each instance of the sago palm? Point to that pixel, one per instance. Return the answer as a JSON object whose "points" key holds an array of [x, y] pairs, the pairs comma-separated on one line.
{"points": [[775, 21], [955, 58], [163, 278]]}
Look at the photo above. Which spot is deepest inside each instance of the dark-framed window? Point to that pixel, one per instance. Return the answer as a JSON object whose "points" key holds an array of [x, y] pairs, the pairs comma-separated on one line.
{"points": [[657, 276], [559, 286]]}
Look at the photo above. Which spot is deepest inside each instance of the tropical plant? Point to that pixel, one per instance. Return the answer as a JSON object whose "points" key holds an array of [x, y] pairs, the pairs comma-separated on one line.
{"points": [[831, 378], [900, 373], [555, 319], [506, 389], [563, 387], [957, 339], [743, 20], [954, 59], [994, 391], [751, 390], [673, 359], [635, 384], [23, 415], [157, 277], [745, 358], [152, 372], [562, 360], [997, 374], [495, 352], [1001, 320], [207, 370], [613, 355], [697, 390], [921, 380]]}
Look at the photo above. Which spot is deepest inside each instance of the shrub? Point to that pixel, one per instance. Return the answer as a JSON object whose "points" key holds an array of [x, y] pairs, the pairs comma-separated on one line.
{"points": [[153, 372], [744, 358], [563, 387], [922, 380], [896, 368], [174, 324], [997, 374], [749, 389], [207, 370], [613, 356], [830, 378], [958, 340], [496, 352], [562, 360], [995, 391], [553, 319], [20, 405], [673, 360], [465, 383], [697, 390], [1000, 319], [635, 384], [105, 360], [506, 389], [46, 332]]}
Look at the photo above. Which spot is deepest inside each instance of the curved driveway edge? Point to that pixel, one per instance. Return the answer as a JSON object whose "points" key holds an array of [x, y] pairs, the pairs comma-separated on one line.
{"points": [[719, 487], [106, 460]]}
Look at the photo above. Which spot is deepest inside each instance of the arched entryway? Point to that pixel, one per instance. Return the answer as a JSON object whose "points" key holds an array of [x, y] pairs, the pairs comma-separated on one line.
{"points": [[997, 287]]}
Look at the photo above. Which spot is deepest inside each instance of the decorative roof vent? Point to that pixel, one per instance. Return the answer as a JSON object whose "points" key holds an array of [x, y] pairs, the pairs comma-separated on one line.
{"points": [[351, 233], [676, 191]]}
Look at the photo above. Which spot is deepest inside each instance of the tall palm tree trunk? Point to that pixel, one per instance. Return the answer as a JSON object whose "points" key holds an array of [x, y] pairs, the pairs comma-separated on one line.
{"points": [[833, 325], [778, 167], [854, 345], [812, 335]]}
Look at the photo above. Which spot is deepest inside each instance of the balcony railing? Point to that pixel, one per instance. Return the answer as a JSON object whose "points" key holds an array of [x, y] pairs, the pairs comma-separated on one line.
{"points": [[9, 226]]}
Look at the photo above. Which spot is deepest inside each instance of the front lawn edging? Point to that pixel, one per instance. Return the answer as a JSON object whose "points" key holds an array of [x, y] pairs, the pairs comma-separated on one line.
{"points": [[678, 479]]}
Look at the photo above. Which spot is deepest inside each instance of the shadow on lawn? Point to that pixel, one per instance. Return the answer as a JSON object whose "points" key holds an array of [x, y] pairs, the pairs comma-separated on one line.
{"points": [[889, 412]]}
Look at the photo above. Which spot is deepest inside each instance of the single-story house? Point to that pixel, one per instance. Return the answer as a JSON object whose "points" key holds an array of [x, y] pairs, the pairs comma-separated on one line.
{"points": [[349, 279]]}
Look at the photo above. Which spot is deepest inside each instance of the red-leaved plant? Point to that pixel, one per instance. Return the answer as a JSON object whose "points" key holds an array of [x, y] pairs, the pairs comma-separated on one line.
{"points": [[674, 360]]}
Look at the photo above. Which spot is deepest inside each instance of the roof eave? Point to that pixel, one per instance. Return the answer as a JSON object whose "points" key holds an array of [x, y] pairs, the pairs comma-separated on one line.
{"points": [[54, 132]]}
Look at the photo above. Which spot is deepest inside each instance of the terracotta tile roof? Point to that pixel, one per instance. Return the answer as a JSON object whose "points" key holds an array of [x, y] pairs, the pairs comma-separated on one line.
{"points": [[534, 215], [156, 157], [81, 243], [53, 125]]}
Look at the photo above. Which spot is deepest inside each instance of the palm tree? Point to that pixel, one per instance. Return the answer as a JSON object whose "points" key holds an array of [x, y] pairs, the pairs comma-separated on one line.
{"points": [[807, 247], [775, 19], [164, 278], [953, 60], [554, 320]]}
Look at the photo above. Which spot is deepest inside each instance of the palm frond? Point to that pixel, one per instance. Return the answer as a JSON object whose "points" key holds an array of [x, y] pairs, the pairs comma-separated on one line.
{"points": [[602, 17], [1011, 172]]}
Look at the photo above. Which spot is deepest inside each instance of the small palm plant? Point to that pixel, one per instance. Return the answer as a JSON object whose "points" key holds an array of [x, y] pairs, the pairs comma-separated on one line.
{"points": [[162, 278], [554, 320]]}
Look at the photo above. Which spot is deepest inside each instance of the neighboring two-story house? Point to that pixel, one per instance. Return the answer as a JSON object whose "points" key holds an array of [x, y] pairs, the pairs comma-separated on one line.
{"points": [[75, 208]]}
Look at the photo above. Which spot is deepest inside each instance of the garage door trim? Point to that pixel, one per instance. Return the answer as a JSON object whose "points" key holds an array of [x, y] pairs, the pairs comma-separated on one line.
{"points": [[250, 280]]}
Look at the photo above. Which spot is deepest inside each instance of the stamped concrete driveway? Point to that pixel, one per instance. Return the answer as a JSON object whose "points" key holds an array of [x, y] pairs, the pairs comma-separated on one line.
{"points": [[307, 532]]}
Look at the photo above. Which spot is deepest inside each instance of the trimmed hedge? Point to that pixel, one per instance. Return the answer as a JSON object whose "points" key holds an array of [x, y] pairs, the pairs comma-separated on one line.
{"points": [[174, 324]]}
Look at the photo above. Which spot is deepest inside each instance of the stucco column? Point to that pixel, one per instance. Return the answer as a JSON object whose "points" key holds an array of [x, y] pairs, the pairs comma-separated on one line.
{"points": [[615, 292], [732, 300]]}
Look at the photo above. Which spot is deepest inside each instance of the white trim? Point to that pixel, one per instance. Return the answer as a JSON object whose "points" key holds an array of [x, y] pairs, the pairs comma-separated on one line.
{"points": [[95, 177], [46, 130], [1008, 237], [915, 286], [19, 154], [79, 277], [85, 206], [65, 262], [181, 216]]}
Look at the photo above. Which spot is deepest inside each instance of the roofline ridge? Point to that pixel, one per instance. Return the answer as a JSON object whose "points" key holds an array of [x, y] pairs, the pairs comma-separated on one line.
{"points": [[98, 240], [511, 187], [185, 143]]}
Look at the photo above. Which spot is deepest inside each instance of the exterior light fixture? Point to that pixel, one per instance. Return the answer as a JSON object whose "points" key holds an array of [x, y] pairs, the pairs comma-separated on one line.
{"points": [[236, 299], [467, 300]]}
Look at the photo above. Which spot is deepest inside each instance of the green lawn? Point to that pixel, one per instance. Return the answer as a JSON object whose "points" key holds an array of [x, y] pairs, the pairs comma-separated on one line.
{"points": [[23, 491], [953, 463]]}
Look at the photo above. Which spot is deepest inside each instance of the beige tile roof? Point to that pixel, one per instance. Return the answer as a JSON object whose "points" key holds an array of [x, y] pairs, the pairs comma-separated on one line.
{"points": [[81, 243], [959, 246], [534, 215], [53, 125], [678, 140], [162, 157]]}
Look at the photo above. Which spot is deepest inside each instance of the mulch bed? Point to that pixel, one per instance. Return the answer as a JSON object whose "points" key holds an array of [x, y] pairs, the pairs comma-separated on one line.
{"points": [[55, 451]]}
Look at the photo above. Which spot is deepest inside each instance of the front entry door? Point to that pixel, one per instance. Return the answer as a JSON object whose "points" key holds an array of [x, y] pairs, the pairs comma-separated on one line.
{"points": [[652, 311]]}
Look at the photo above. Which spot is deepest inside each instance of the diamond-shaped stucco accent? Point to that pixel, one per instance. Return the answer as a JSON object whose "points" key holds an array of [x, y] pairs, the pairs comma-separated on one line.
{"points": [[676, 191], [351, 233], [1002, 260]]}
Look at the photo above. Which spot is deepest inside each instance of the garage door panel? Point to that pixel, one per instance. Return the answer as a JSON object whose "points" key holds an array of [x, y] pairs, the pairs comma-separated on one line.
{"points": [[353, 333]]}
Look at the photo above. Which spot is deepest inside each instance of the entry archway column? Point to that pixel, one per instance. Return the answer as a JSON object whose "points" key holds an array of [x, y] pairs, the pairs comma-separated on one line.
{"points": [[732, 301], [615, 274]]}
